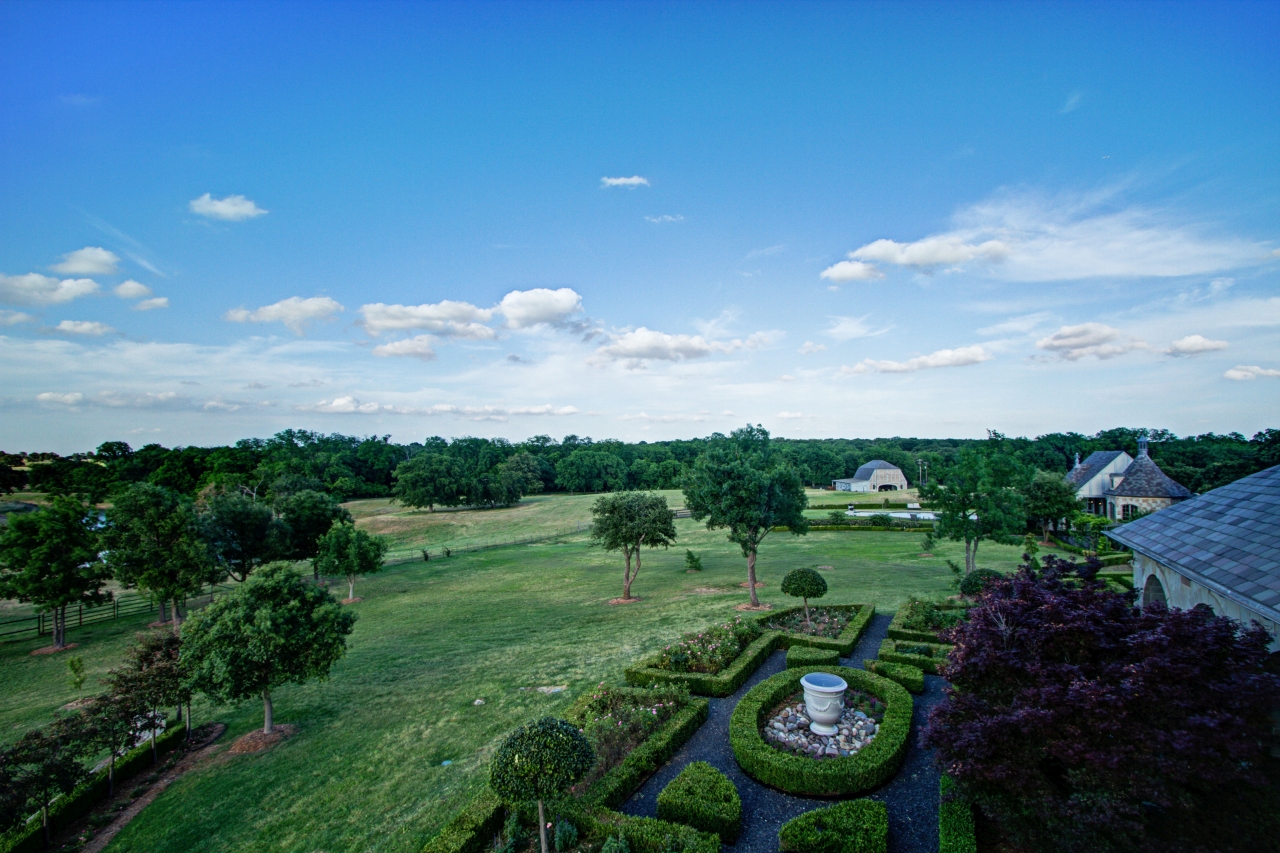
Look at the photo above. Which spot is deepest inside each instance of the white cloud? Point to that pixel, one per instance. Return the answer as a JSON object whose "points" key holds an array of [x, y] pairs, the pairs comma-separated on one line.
{"points": [[83, 327], [851, 271], [295, 312], [1245, 372], [639, 345], [525, 308], [810, 348], [446, 318], [132, 290], [1017, 325], [416, 347], [790, 415], [1194, 345], [233, 208], [930, 252], [91, 260], [13, 318], [544, 409], [1073, 102], [1090, 339], [36, 289], [666, 217], [630, 183], [344, 405], [64, 399], [849, 328], [959, 357], [1070, 237], [152, 304]]}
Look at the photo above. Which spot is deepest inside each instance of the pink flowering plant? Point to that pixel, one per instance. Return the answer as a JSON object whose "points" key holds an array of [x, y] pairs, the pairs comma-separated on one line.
{"points": [[617, 720], [709, 650]]}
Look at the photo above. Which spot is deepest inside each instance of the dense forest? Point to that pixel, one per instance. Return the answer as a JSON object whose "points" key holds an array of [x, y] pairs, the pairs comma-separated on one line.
{"points": [[349, 467]]}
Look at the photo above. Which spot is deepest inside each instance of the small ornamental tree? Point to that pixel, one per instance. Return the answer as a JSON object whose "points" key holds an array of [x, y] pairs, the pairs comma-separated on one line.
{"points": [[49, 763], [1049, 499], [626, 522], [804, 584], [154, 676], [539, 761], [113, 718], [1077, 722], [351, 552], [277, 628]]}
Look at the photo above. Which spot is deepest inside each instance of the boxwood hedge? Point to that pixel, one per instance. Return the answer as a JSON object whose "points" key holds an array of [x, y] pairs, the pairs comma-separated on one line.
{"points": [[807, 656], [908, 676], [723, 683], [855, 826], [890, 652], [872, 766], [843, 644], [704, 798], [897, 631], [955, 820]]}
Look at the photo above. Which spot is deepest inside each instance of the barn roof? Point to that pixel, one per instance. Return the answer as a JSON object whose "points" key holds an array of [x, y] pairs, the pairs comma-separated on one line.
{"points": [[864, 472]]}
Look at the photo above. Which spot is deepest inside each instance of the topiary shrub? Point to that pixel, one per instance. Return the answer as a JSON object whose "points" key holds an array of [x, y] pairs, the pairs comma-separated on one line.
{"points": [[809, 656], [538, 761], [976, 581], [855, 826], [910, 677], [804, 584], [704, 798]]}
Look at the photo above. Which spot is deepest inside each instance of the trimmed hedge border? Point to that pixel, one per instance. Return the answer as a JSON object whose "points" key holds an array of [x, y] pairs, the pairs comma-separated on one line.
{"points": [[898, 632], [955, 820], [473, 829], [809, 656], [704, 798], [908, 676], [67, 809], [888, 652], [855, 826], [723, 683], [874, 765], [843, 644], [1124, 578]]}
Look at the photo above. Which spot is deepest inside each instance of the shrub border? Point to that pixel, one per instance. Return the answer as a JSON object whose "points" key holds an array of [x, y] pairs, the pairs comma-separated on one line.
{"points": [[723, 683], [928, 665], [910, 677], [810, 656], [689, 806], [955, 820], [878, 843], [874, 765]]}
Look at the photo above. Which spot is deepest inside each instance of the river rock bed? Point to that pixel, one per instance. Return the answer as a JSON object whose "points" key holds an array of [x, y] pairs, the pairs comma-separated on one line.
{"points": [[788, 730]]}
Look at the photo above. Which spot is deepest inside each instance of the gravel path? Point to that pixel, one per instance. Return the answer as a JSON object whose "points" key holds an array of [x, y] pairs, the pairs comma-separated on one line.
{"points": [[912, 796]]}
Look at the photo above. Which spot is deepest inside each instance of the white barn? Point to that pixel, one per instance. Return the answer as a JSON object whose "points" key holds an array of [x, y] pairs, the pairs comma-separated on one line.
{"points": [[876, 476]]}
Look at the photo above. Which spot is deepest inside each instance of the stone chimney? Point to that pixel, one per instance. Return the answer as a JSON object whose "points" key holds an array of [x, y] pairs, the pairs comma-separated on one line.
{"points": [[1142, 445]]}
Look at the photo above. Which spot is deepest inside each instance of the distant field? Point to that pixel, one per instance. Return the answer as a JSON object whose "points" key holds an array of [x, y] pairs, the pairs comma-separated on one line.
{"points": [[364, 771]]}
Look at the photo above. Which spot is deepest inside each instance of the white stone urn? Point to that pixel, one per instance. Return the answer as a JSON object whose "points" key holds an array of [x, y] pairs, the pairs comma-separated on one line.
{"points": [[823, 701]]}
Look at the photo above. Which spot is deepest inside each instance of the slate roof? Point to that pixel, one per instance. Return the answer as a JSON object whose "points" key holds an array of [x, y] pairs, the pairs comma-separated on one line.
{"points": [[1144, 479], [1228, 539], [1089, 468], [864, 472]]}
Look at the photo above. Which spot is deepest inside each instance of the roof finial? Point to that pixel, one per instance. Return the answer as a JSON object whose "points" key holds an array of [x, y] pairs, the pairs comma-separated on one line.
{"points": [[1142, 445]]}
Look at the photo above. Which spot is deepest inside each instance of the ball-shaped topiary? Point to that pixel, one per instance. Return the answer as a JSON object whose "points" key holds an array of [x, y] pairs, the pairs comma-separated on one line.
{"points": [[805, 584], [540, 760], [976, 581]]}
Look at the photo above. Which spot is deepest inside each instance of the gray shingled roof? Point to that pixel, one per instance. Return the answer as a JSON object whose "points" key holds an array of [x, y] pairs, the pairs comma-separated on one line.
{"points": [[864, 472], [1088, 469], [1144, 479], [1227, 538]]}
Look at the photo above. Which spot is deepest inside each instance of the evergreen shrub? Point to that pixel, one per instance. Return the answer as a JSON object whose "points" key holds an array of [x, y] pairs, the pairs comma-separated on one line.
{"points": [[704, 798], [908, 676], [855, 826], [808, 656]]}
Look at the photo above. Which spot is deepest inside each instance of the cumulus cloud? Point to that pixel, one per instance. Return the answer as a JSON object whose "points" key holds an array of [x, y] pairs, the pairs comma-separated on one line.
{"points": [[1194, 345], [152, 304], [83, 327], [233, 208], [1089, 339], [13, 318], [525, 308], [1246, 372], [91, 260], [930, 252], [959, 357], [295, 312], [630, 183], [445, 318], [352, 405], [36, 289], [640, 345], [70, 399], [132, 290], [810, 348], [666, 217], [121, 400], [416, 347], [851, 271], [849, 328]]}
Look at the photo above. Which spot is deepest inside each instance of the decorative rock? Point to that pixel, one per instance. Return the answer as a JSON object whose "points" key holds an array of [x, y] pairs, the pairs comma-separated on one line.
{"points": [[789, 731]]}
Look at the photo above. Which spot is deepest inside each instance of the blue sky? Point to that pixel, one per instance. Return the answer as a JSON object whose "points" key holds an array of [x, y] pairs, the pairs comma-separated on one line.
{"points": [[639, 221]]}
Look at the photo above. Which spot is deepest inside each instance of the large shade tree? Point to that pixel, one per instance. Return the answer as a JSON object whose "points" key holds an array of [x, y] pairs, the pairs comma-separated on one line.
{"points": [[1049, 498], [309, 515], [152, 541], [430, 480], [277, 628], [242, 534], [977, 499], [348, 551], [743, 485], [629, 521], [50, 558]]}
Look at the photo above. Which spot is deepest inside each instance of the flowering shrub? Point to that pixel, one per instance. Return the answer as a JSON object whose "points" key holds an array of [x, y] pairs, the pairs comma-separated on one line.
{"points": [[616, 721], [824, 622], [710, 650]]}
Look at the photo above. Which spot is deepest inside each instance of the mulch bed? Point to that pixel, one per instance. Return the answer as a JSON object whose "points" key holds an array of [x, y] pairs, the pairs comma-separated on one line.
{"points": [[53, 650], [258, 741], [631, 600], [352, 600], [754, 607]]}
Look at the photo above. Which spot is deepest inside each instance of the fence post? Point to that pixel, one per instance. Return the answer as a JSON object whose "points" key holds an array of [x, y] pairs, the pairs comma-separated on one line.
{"points": [[81, 615], [40, 624]]}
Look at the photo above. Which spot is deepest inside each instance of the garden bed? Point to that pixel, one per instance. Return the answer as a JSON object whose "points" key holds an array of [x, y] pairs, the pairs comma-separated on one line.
{"points": [[858, 616], [928, 657], [922, 621], [873, 765], [708, 650]]}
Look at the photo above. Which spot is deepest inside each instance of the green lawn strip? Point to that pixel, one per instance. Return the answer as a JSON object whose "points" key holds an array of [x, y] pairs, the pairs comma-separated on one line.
{"points": [[364, 770]]}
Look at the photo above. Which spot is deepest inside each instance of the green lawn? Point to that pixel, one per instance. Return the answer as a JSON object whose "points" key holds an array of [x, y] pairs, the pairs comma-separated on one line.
{"points": [[364, 772]]}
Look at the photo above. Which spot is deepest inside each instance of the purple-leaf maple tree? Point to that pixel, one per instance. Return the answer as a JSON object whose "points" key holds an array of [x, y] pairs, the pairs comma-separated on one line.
{"points": [[1076, 721]]}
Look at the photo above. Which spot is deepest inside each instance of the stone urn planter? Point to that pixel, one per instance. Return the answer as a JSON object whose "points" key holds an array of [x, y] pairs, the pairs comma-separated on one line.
{"points": [[823, 701]]}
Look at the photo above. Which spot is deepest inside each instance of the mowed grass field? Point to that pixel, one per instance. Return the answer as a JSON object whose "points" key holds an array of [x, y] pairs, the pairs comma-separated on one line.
{"points": [[365, 770]]}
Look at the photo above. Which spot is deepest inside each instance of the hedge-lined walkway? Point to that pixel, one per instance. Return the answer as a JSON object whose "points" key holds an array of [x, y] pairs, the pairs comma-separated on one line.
{"points": [[912, 796]]}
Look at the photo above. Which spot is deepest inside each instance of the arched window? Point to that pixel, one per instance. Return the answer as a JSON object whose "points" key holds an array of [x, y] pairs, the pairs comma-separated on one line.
{"points": [[1153, 591]]}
